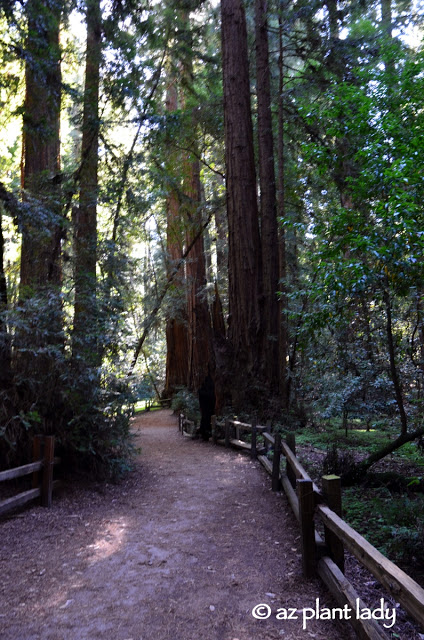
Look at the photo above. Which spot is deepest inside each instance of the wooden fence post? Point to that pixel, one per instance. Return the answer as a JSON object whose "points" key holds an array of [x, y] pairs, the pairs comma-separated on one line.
{"points": [[332, 491], [276, 463], [227, 433], [307, 530], [47, 486], [291, 443], [253, 452], [36, 456], [214, 431]]}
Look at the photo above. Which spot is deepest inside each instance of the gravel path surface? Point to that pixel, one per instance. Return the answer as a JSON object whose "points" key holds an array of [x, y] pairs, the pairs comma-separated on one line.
{"points": [[184, 549]]}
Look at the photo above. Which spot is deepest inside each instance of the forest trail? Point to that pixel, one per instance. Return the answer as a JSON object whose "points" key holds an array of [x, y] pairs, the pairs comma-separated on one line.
{"points": [[182, 550]]}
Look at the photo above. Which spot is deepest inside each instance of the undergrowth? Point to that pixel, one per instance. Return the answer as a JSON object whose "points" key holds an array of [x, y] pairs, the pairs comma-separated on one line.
{"points": [[391, 521], [187, 403], [394, 524]]}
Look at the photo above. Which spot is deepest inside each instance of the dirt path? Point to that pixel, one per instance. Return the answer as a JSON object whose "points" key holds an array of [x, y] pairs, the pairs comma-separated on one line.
{"points": [[183, 550]]}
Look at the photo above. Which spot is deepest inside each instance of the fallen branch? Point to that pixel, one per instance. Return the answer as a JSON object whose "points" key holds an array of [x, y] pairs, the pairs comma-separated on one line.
{"points": [[357, 472]]}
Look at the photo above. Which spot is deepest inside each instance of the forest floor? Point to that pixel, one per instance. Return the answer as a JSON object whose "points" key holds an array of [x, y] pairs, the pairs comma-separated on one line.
{"points": [[183, 549]]}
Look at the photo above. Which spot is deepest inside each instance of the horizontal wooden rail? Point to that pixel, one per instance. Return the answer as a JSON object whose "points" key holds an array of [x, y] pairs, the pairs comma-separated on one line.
{"points": [[157, 403], [42, 476], [18, 472], [266, 463], [344, 593], [299, 472], [268, 437], [19, 500], [397, 582], [240, 444], [25, 470], [291, 495], [244, 426]]}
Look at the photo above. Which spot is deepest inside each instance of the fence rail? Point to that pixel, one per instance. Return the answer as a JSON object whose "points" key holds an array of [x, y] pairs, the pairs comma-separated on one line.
{"points": [[323, 557], [42, 476], [157, 403]]}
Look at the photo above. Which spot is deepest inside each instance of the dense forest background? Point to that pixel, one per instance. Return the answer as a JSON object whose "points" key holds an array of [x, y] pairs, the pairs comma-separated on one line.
{"points": [[189, 188]]}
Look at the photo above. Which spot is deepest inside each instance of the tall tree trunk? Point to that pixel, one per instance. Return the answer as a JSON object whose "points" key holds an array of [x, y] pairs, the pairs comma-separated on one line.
{"points": [[200, 351], [387, 18], [344, 167], [5, 350], [281, 204], [84, 339], [268, 209], [176, 325], [244, 252], [188, 216], [333, 22], [393, 366], [40, 271], [200, 360], [41, 233], [389, 57], [420, 325], [221, 244]]}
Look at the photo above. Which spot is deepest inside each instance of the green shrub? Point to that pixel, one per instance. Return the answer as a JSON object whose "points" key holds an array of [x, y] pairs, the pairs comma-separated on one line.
{"points": [[186, 402]]}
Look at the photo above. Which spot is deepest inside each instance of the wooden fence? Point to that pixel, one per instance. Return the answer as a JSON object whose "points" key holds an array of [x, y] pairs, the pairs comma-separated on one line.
{"points": [[42, 475], [157, 403], [323, 557]]}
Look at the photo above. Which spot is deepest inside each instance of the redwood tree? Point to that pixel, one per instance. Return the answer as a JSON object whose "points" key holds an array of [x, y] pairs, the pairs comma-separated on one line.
{"points": [[41, 322], [268, 205], [244, 259], [84, 342], [40, 254], [5, 350], [281, 207], [200, 358], [176, 324], [189, 346]]}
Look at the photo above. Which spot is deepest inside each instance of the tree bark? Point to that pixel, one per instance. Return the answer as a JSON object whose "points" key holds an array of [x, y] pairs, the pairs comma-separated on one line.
{"points": [[176, 324], [5, 349], [40, 306], [198, 355], [84, 339], [393, 368], [200, 352], [244, 252], [41, 232], [200, 358], [268, 208], [281, 205], [221, 243], [386, 17]]}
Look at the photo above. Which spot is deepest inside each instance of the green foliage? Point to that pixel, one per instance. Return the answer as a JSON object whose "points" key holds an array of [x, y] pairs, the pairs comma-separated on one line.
{"points": [[96, 438], [353, 108], [363, 437], [337, 461], [186, 402], [394, 524]]}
